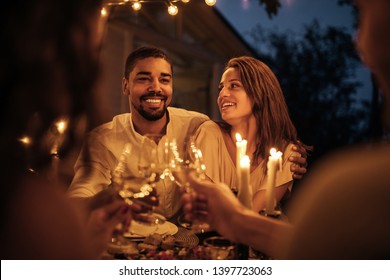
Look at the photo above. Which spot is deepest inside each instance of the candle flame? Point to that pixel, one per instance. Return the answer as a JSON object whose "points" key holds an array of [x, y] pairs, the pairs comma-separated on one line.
{"points": [[245, 161], [103, 12], [61, 126], [274, 153], [238, 137]]}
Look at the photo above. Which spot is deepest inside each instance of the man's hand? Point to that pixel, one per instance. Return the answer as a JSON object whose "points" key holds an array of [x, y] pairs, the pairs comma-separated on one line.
{"points": [[299, 166]]}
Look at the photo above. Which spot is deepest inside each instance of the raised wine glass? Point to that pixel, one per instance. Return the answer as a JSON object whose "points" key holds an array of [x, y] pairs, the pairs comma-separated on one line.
{"points": [[191, 160], [134, 188]]}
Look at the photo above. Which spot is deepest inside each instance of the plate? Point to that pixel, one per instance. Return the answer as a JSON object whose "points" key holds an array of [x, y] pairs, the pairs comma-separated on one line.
{"points": [[138, 230]]}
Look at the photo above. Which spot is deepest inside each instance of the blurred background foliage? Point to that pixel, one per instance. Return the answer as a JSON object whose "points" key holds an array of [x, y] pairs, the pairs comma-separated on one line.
{"points": [[317, 70]]}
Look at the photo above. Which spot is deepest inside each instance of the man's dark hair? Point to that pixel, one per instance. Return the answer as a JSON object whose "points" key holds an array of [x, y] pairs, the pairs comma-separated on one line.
{"points": [[142, 53]]}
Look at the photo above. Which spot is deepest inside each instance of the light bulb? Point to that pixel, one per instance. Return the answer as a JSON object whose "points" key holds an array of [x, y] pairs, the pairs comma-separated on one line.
{"points": [[210, 2], [172, 10], [25, 140], [185, 1], [136, 6]]}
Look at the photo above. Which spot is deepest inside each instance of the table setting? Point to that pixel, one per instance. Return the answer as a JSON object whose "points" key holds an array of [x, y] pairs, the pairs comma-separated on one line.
{"points": [[154, 236], [169, 242]]}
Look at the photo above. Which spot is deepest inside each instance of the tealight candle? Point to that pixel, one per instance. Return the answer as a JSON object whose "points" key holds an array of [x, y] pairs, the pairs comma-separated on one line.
{"points": [[274, 163], [245, 190]]}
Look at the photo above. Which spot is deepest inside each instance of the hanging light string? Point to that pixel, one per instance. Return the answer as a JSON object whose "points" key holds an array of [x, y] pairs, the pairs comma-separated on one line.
{"points": [[136, 5]]}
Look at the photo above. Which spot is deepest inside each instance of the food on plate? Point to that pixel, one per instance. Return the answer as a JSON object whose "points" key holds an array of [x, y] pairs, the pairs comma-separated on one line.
{"points": [[160, 247], [154, 239], [142, 247], [168, 242]]}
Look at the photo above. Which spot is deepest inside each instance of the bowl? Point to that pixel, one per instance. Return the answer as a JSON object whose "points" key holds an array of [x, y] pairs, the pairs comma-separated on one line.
{"points": [[219, 248]]}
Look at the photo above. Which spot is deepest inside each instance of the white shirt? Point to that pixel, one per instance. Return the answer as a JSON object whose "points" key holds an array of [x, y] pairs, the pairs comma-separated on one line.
{"points": [[104, 145]]}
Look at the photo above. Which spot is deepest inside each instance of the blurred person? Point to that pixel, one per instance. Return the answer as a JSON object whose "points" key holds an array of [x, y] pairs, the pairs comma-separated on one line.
{"points": [[148, 83], [251, 103], [342, 210], [48, 71]]}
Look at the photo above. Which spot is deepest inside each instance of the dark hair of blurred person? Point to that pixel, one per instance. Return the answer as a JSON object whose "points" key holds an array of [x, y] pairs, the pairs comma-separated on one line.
{"points": [[48, 70]]}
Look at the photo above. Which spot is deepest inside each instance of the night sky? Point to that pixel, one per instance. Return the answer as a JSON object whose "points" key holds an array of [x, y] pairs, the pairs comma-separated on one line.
{"points": [[245, 14]]}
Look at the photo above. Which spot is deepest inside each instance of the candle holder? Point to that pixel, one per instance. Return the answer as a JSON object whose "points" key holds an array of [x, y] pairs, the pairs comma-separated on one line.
{"points": [[219, 248]]}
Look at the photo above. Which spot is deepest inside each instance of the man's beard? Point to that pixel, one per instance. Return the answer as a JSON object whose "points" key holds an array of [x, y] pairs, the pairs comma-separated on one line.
{"points": [[151, 115]]}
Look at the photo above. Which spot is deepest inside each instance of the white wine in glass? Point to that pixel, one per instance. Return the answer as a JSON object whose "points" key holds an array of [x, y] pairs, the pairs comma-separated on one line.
{"points": [[191, 161], [134, 188]]}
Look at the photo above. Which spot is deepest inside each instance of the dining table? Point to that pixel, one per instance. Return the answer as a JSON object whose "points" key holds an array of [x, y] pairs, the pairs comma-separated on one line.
{"points": [[174, 240]]}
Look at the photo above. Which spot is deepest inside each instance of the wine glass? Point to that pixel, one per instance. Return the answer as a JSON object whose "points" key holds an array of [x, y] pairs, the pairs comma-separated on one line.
{"points": [[158, 157], [154, 161], [135, 188], [148, 162], [190, 161]]}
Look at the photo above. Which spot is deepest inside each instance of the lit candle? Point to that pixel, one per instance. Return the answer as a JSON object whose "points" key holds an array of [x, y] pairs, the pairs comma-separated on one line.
{"points": [[245, 190], [61, 126], [27, 141], [274, 163], [240, 152]]}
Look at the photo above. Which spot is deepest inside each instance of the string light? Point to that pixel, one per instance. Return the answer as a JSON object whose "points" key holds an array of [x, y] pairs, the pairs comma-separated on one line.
{"points": [[103, 12], [136, 5], [172, 10], [210, 2], [25, 140]]}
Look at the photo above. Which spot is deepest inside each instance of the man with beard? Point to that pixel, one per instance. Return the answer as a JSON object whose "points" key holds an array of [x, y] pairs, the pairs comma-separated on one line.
{"points": [[147, 82]]}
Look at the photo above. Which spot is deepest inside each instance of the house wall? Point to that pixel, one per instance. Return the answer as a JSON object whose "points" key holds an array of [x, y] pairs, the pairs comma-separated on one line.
{"points": [[195, 81]]}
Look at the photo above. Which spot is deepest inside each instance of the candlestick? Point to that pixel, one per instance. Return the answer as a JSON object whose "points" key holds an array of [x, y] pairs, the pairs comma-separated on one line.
{"points": [[274, 163], [245, 195], [240, 151]]}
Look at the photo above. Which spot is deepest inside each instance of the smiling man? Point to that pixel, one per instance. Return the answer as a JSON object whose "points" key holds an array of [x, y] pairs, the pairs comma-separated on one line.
{"points": [[148, 83]]}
